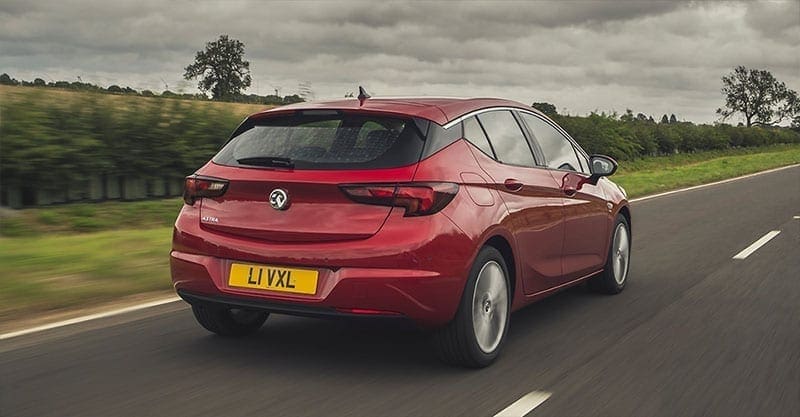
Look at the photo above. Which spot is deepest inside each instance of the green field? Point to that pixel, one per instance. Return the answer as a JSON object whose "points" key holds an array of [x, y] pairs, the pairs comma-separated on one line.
{"points": [[75, 255]]}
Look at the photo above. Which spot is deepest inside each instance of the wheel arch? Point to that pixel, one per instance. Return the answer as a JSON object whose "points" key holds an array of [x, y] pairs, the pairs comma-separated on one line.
{"points": [[625, 211], [503, 246]]}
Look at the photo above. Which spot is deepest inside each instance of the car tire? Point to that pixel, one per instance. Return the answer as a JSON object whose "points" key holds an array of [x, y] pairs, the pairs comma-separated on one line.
{"points": [[229, 322], [476, 335], [615, 273]]}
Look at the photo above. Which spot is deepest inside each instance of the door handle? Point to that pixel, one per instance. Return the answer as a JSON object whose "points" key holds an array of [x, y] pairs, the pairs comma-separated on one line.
{"points": [[512, 184]]}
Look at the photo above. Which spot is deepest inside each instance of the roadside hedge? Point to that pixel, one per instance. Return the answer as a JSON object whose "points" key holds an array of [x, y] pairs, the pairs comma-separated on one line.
{"points": [[57, 140], [58, 146], [626, 140]]}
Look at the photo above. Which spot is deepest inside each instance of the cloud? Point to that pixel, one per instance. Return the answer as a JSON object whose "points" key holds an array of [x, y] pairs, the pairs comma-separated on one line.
{"points": [[779, 21], [652, 57]]}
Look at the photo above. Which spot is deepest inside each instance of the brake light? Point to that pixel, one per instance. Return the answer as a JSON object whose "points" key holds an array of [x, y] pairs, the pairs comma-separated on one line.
{"points": [[419, 199], [198, 186]]}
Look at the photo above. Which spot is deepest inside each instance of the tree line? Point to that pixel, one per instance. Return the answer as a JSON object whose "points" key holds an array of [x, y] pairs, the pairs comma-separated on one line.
{"points": [[763, 102], [630, 136], [239, 97], [55, 142]]}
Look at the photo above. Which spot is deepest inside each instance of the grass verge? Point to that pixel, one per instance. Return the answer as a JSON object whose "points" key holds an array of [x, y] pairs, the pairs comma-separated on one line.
{"points": [[656, 174], [49, 261], [43, 273]]}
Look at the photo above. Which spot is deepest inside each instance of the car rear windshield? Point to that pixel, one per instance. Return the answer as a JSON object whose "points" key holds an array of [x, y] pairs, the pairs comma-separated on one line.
{"points": [[337, 141]]}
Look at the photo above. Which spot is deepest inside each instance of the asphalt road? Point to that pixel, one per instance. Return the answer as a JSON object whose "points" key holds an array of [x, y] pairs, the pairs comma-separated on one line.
{"points": [[695, 333]]}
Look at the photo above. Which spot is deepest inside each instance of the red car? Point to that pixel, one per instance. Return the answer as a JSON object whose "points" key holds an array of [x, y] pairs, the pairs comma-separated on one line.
{"points": [[449, 212]]}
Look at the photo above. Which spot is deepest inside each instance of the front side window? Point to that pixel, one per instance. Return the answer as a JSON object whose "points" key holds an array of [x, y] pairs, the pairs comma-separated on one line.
{"points": [[506, 137], [556, 147], [584, 162]]}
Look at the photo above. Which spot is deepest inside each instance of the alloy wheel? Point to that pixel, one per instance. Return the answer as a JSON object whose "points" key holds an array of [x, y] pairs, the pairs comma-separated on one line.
{"points": [[490, 306], [621, 253]]}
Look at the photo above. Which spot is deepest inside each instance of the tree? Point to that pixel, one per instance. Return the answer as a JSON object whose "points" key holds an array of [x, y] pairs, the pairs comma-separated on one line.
{"points": [[664, 119], [672, 118], [628, 116], [762, 99], [221, 68], [546, 108], [7, 80], [39, 82], [294, 98]]}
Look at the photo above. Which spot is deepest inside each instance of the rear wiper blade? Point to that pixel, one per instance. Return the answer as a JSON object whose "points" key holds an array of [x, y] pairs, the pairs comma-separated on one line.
{"points": [[267, 161]]}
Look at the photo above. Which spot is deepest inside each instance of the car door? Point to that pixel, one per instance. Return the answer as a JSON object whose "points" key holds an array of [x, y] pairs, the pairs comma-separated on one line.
{"points": [[531, 196], [586, 212]]}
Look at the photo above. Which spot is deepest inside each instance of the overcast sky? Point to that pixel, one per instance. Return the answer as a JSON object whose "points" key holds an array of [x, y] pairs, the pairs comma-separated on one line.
{"points": [[652, 57]]}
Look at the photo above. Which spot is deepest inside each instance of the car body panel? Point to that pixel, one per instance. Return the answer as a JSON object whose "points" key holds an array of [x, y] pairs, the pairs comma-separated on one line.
{"points": [[399, 266], [587, 219], [315, 201], [534, 217]]}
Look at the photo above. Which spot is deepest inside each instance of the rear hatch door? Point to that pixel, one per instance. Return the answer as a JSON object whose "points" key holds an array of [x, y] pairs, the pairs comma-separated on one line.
{"points": [[284, 175]]}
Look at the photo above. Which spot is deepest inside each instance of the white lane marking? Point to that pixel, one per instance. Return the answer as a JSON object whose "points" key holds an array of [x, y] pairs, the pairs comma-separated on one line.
{"points": [[711, 184], [89, 317], [757, 244], [796, 217], [525, 404]]}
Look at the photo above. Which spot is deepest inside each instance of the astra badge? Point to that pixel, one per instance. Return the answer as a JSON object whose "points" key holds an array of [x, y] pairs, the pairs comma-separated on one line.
{"points": [[278, 199]]}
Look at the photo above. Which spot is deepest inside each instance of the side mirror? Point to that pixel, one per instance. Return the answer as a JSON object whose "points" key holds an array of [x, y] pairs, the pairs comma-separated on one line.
{"points": [[602, 166]]}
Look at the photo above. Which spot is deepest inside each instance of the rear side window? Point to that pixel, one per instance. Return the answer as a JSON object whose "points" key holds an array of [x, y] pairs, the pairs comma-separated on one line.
{"points": [[556, 147], [473, 132], [507, 138], [331, 142]]}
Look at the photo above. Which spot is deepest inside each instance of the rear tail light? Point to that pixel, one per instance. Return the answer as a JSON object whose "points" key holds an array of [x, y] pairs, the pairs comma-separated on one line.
{"points": [[197, 186], [419, 199]]}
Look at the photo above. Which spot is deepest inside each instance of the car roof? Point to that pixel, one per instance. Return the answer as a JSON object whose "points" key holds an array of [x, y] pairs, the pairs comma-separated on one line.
{"points": [[440, 110]]}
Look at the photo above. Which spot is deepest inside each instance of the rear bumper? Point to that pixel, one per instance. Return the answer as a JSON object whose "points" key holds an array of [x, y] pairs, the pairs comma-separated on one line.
{"points": [[416, 271], [276, 307]]}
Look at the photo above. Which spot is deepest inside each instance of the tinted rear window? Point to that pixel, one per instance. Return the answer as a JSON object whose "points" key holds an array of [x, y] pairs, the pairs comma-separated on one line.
{"points": [[326, 142]]}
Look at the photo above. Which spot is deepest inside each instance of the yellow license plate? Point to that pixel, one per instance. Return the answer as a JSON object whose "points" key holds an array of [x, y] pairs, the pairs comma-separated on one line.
{"points": [[273, 278]]}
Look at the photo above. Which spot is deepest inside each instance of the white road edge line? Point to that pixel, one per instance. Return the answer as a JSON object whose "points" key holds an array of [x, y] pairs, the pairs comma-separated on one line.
{"points": [[173, 299], [711, 184], [89, 317], [757, 244], [525, 404]]}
